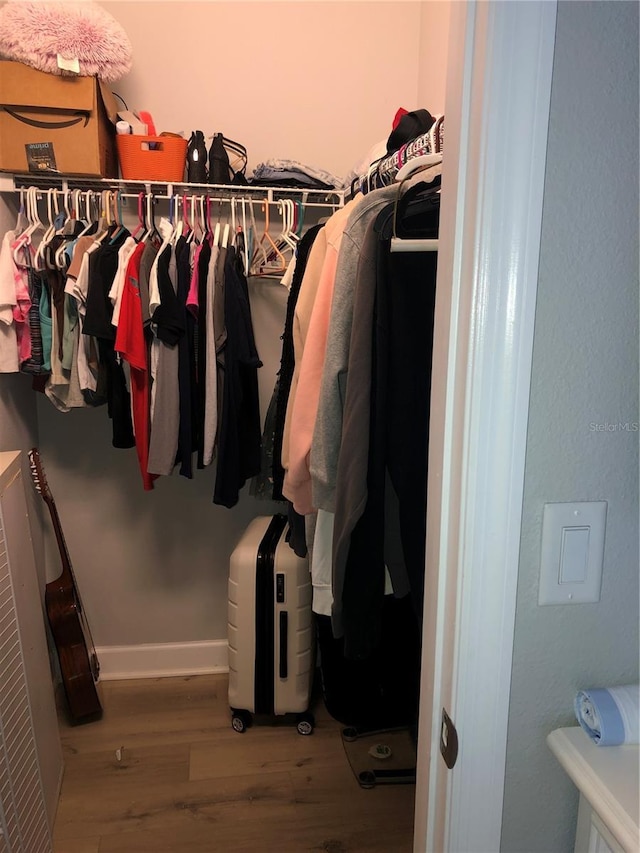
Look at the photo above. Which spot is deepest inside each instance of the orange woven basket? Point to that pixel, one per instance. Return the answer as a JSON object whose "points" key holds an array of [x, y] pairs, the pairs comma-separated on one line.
{"points": [[164, 160]]}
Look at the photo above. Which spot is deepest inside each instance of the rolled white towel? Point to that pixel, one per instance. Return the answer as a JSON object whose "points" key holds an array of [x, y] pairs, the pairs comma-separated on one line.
{"points": [[610, 715]]}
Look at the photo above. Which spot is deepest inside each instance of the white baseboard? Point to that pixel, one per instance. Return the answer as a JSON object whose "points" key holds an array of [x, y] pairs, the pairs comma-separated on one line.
{"points": [[157, 660]]}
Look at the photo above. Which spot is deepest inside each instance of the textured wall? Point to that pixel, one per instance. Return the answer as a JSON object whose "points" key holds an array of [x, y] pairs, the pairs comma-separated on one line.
{"points": [[585, 374]]}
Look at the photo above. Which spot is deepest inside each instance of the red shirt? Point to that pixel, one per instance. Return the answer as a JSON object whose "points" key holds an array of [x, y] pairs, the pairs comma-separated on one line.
{"points": [[132, 346]]}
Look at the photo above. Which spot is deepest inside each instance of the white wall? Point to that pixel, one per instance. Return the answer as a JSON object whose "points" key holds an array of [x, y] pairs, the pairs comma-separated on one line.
{"points": [[316, 81], [585, 371], [434, 43]]}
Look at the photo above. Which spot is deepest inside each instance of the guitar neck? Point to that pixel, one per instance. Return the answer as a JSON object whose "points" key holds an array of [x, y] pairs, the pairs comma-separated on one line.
{"points": [[67, 576]]}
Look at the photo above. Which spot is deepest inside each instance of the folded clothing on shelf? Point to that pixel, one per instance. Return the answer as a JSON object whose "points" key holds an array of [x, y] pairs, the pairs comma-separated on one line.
{"points": [[293, 173], [610, 715]]}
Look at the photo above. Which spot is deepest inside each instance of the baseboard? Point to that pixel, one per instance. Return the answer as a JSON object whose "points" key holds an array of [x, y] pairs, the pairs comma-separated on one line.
{"points": [[157, 660]]}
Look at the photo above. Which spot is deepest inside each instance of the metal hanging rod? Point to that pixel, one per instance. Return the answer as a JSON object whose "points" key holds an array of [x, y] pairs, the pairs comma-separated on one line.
{"points": [[168, 190]]}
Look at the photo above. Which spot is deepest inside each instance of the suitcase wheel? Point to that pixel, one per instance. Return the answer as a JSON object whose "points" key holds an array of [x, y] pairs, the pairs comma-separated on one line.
{"points": [[350, 734], [305, 724], [240, 721], [367, 779]]}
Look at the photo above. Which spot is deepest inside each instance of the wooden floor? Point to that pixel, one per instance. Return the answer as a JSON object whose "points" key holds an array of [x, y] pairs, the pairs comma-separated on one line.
{"points": [[185, 781]]}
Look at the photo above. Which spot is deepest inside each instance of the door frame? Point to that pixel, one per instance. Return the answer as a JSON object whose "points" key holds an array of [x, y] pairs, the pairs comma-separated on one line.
{"points": [[497, 111]]}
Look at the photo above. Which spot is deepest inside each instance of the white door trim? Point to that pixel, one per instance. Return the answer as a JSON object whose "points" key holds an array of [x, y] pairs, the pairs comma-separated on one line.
{"points": [[498, 97]]}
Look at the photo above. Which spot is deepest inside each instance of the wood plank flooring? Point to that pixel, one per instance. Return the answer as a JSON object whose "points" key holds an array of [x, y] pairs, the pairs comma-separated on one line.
{"points": [[185, 781]]}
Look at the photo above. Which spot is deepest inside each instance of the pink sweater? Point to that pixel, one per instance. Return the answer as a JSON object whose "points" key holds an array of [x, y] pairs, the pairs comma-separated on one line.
{"points": [[297, 480]]}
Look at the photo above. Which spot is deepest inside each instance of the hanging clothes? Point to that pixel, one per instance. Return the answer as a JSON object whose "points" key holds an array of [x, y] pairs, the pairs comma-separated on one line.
{"points": [[205, 363], [213, 363], [9, 362], [287, 361], [297, 481], [131, 343], [327, 434], [396, 474], [98, 311], [239, 428], [168, 327], [187, 442]]}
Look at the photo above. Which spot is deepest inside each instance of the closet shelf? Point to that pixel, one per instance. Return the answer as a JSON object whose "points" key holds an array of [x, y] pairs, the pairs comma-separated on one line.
{"points": [[10, 183]]}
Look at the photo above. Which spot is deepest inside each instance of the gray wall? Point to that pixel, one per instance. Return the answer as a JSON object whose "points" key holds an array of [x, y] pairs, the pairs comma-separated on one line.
{"points": [[585, 372]]}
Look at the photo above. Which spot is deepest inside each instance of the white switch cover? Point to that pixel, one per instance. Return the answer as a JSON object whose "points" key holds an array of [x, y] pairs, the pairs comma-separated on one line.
{"points": [[572, 552]]}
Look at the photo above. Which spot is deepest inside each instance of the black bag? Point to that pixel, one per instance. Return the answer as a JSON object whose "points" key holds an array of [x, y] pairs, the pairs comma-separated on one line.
{"points": [[197, 158], [379, 692], [220, 169]]}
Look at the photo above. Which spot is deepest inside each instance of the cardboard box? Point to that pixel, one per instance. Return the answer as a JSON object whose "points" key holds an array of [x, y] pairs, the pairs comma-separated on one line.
{"points": [[56, 125]]}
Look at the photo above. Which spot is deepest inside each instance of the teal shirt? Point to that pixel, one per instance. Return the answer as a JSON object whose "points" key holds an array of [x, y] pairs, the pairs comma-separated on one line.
{"points": [[44, 310]]}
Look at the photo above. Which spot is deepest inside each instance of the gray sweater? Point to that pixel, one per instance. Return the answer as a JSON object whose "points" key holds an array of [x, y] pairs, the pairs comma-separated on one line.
{"points": [[327, 434]]}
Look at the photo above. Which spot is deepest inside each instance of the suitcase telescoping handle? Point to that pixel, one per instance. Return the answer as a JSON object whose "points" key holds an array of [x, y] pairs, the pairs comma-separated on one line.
{"points": [[284, 636]]}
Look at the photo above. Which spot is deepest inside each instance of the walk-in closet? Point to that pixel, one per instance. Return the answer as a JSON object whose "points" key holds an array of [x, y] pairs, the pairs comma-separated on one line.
{"points": [[404, 484]]}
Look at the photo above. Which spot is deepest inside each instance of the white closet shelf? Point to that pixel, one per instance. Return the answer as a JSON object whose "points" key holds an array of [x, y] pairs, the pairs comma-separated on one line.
{"points": [[10, 183]]}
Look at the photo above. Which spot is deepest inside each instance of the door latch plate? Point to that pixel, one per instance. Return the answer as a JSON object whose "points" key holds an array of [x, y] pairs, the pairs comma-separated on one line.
{"points": [[448, 740]]}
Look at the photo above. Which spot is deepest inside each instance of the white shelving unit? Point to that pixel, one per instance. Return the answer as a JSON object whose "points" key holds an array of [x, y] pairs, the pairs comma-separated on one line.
{"points": [[607, 778], [30, 752], [331, 199]]}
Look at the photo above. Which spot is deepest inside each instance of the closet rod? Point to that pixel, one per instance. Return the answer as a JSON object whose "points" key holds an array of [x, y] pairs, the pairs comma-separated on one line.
{"points": [[402, 244], [168, 189]]}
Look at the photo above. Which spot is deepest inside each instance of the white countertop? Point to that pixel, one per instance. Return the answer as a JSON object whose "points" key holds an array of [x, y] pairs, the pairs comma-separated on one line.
{"points": [[9, 467], [607, 776]]}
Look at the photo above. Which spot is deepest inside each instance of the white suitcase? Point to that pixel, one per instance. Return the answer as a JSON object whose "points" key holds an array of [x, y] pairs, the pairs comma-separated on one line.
{"points": [[271, 637]]}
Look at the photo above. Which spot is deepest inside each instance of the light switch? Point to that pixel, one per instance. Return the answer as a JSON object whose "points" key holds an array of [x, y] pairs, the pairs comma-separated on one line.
{"points": [[572, 552]]}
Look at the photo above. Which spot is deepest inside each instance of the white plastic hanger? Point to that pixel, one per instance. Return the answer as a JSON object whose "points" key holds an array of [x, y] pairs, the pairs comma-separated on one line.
{"points": [[149, 219], [176, 224], [290, 235], [60, 256], [423, 161], [24, 240], [52, 212], [88, 197]]}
